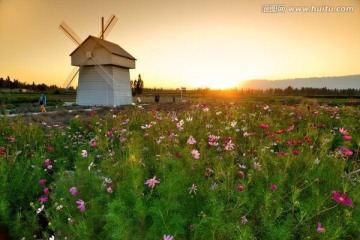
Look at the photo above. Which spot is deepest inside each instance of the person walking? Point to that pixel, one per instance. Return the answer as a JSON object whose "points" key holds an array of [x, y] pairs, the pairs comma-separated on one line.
{"points": [[42, 102]]}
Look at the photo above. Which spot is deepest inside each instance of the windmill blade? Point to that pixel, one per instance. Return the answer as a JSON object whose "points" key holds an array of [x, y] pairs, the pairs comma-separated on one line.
{"points": [[108, 26], [105, 75], [73, 75], [70, 33], [74, 72]]}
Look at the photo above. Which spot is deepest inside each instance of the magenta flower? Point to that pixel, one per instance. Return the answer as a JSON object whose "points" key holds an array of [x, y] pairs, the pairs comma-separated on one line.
{"points": [[152, 182], [43, 199], [296, 152], [345, 151], [42, 181], [49, 148], [273, 186], [240, 188], [191, 140], [264, 126], [347, 137], [195, 153], [73, 191], [81, 205], [46, 191], [341, 198], [168, 237], [47, 164], [319, 228], [213, 140]]}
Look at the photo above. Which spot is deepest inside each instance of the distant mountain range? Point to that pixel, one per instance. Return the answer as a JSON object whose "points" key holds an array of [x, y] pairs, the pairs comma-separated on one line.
{"points": [[343, 82]]}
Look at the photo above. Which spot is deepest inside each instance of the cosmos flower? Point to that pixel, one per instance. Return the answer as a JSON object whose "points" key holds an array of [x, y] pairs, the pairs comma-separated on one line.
{"points": [[243, 220], [84, 153], [81, 205], [43, 199], [47, 164], [73, 191], [345, 151], [264, 126], [152, 182], [341, 198], [296, 152], [212, 140], [240, 188], [229, 146], [191, 140], [168, 237], [46, 191], [93, 143], [347, 137], [193, 189], [195, 153], [343, 131], [320, 228], [273, 186], [42, 181]]}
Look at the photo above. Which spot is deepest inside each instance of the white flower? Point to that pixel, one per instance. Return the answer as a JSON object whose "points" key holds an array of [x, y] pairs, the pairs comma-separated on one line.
{"points": [[39, 210]]}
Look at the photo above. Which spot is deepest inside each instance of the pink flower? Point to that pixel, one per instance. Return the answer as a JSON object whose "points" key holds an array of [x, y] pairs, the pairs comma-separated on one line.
{"points": [[229, 146], [168, 237], [42, 181], [152, 182], [49, 149], [241, 173], [46, 191], [47, 164], [81, 205], [264, 126], [240, 188], [43, 199], [73, 191], [110, 133], [345, 151], [195, 153], [292, 127], [191, 140], [319, 228], [93, 143], [212, 140], [343, 131], [347, 137], [273, 186], [296, 152], [341, 198]]}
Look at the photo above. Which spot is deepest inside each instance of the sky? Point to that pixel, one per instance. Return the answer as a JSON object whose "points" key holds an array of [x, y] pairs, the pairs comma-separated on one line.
{"points": [[188, 43]]}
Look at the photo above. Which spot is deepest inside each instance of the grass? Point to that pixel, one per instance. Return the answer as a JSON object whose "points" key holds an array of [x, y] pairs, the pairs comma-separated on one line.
{"points": [[268, 169]]}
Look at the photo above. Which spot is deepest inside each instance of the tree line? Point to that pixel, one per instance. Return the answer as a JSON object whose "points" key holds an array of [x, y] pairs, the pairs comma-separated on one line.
{"points": [[137, 87]]}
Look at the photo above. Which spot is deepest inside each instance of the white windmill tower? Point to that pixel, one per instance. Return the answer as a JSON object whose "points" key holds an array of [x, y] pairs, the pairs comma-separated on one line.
{"points": [[103, 69]]}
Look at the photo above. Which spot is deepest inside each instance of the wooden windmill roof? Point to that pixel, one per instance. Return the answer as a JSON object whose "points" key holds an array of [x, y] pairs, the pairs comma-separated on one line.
{"points": [[111, 47]]}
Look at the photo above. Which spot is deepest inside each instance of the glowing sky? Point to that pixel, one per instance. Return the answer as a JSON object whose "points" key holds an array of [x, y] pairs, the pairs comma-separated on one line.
{"points": [[192, 43]]}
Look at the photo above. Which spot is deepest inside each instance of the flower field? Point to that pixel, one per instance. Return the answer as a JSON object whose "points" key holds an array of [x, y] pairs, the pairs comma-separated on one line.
{"points": [[208, 171]]}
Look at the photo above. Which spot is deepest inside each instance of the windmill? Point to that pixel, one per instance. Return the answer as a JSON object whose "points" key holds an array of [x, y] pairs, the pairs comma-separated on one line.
{"points": [[102, 66]]}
